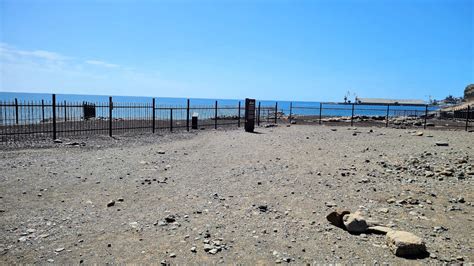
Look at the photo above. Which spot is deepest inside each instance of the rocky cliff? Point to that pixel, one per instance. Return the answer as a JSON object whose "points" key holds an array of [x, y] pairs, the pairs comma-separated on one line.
{"points": [[469, 93]]}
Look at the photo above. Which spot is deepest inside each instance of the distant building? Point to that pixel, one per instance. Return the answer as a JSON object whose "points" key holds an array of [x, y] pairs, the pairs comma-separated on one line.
{"points": [[376, 101]]}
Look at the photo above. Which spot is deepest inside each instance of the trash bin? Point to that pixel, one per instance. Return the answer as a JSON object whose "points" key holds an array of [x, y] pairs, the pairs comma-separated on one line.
{"points": [[194, 121]]}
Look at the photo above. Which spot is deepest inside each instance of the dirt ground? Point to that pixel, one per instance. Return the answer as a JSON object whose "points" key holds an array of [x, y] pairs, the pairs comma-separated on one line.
{"points": [[226, 196]]}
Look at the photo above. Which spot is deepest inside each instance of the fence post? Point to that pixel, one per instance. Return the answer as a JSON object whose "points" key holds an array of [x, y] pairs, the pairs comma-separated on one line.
{"points": [[153, 115], [187, 116], [110, 115], [171, 119], [54, 116], [258, 114], [238, 123], [388, 111], [215, 117], [65, 114], [276, 111], [426, 116], [291, 107], [352, 116], [467, 116], [16, 110], [42, 111], [320, 111]]}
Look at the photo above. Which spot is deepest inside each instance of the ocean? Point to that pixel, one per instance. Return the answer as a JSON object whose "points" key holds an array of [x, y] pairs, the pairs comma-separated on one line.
{"points": [[203, 107]]}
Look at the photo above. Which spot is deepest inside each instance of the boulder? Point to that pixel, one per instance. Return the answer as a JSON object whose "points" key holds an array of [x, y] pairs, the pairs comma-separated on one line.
{"points": [[405, 244], [355, 223], [335, 217]]}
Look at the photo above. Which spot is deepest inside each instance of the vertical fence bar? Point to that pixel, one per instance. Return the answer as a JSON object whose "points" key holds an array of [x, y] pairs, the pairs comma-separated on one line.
{"points": [[110, 116], [187, 116], [258, 114], [54, 115], [426, 116], [16, 111], [276, 111], [42, 111], [153, 115], [171, 119], [65, 114], [467, 116], [238, 123], [291, 107], [320, 112], [388, 111], [352, 116], [215, 116]]}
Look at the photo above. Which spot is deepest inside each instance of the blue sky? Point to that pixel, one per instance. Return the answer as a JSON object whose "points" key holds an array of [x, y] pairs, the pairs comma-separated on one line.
{"points": [[283, 50]]}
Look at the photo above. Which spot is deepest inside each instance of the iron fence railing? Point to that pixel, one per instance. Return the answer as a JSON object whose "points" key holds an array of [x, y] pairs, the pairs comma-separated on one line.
{"points": [[20, 120]]}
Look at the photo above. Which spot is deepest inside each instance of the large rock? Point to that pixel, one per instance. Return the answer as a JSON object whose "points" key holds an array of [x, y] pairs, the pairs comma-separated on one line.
{"points": [[335, 217], [355, 223], [405, 244]]}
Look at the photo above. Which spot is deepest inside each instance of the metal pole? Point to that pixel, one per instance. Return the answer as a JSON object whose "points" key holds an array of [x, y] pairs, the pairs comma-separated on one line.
{"points": [[276, 111], [187, 116], [215, 117], [352, 116], [388, 111], [320, 111], [153, 115], [467, 116], [42, 110], [65, 114], [238, 123], [426, 116], [16, 110], [110, 115], [171, 119], [291, 107], [54, 116]]}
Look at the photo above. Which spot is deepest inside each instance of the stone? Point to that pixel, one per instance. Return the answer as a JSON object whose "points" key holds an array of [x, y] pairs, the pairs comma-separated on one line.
{"points": [[193, 249], [441, 143], [378, 229], [161, 152], [405, 244], [384, 210], [170, 218], [111, 203], [57, 141], [355, 223], [419, 133], [59, 249], [335, 217]]}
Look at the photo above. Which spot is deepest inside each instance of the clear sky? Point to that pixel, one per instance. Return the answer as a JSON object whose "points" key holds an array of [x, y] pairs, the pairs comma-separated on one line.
{"points": [[283, 50]]}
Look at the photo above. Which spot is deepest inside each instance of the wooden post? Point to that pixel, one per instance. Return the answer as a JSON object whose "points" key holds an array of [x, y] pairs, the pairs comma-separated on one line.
{"points": [[171, 119], [467, 116], [238, 123], [258, 114], [276, 111], [153, 105], [320, 111], [215, 116], [54, 116], [426, 116], [16, 111], [110, 115], [291, 107], [187, 116], [388, 111], [352, 116]]}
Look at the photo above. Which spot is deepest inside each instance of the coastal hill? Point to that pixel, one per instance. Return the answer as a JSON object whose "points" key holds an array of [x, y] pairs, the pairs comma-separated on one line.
{"points": [[469, 93]]}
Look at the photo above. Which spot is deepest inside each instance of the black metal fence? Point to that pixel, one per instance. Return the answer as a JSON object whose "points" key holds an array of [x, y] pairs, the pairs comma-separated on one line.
{"points": [[53, 119]]}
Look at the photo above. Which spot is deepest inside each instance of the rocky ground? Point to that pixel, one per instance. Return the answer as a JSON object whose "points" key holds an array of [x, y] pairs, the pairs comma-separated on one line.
{"points": [[227, 196]]}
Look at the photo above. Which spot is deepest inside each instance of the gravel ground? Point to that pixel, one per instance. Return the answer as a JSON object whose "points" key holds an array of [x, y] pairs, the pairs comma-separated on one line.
{"points": [[226, 196]]}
